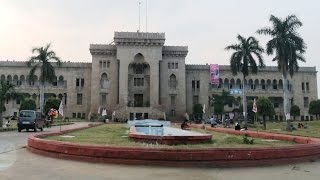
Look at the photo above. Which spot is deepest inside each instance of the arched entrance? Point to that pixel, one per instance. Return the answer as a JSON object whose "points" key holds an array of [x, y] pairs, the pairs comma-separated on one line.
{"points": [[139, 82]]}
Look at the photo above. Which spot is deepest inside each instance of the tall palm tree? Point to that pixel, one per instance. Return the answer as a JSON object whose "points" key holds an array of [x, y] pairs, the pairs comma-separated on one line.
{"points": [[243, 60], [288, 47], [43, 60], [6, 91]]}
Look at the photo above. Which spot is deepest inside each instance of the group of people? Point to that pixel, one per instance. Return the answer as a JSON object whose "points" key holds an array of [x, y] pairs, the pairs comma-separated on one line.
{"points": [[303, 126]]}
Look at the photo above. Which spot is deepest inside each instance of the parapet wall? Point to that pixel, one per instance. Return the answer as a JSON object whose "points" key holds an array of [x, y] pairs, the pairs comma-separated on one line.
{"points": [[208, 157]]}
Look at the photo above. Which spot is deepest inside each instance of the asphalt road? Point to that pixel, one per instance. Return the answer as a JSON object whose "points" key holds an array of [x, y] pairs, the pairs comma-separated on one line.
{"points": [[18, 163]]}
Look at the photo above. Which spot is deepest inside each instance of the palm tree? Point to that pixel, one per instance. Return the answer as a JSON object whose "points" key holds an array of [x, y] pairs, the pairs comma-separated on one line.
{"points": [[42, 60], [243, 60], [6, 91], [288, 47]]}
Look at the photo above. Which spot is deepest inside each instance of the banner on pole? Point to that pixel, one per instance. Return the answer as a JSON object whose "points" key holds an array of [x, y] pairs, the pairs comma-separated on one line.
{"points": [[214, 74]]}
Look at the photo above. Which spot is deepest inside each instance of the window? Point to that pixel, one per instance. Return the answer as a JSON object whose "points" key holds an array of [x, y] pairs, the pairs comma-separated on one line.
{"points": [[173, 82], [263, 86], [138, 81], [79, 115], [173, 100], [108, 64], [195, 99], [302, 86], [307, 86], [198, 84], [82, 82], [193, 84], [79, 99], [100, 64], [18, 100], [306, 102], [172, 65], [74, 115], [77, 82], [176, 67], [169, 65], [104, 64], [276, 105]]}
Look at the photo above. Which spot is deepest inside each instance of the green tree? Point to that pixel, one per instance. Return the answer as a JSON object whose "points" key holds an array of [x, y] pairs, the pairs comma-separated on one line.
{"points": [[288, 47], [243, 60], [43, 61], [265, 108], [52, 102], [197, 111], [28, 104], [314, 108], [295, 111], [6, 92], [218, 101]]}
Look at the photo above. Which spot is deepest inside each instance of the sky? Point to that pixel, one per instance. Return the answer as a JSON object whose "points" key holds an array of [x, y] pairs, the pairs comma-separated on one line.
{"points": [[205, 26]]}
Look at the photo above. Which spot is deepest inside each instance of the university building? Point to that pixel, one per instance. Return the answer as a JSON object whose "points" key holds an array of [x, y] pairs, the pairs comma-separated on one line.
{"points": [[139, 77]]}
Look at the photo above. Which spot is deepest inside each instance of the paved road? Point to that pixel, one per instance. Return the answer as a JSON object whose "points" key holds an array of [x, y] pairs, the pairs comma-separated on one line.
{"points": [[18, 163]]}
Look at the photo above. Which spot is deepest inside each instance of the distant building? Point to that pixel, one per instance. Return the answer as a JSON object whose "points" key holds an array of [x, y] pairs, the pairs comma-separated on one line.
{"points": [[139, 77]]}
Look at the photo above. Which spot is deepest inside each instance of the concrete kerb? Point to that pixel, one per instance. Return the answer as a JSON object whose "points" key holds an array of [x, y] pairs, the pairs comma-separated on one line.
{"points": [[308, 150]]}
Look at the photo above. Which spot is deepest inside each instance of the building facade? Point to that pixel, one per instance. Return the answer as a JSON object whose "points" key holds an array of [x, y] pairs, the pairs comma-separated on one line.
{"points": [[139, 77]]}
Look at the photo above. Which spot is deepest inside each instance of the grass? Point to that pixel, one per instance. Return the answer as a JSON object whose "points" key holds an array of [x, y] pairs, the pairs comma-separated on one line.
{"points": [[280, 127], [117, 135]]}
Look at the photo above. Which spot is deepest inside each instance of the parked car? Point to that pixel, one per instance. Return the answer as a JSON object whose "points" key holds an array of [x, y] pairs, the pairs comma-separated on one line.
{"points": [[29, 119]]}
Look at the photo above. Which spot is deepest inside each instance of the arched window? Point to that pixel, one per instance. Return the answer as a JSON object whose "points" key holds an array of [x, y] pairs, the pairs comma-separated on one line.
{"points": [[173, 81], [263, 84], [251, 84], [3, 77], [256, 84], [268, 84], [226, 83], [104, 82], [15, 80], [60, 81], [274, 84], [238, 84], [232, 84], [280, 84], [22, 79], [34, 96]]}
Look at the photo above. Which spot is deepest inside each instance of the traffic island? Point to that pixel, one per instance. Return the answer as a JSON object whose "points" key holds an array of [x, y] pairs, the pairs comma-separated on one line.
{"points": [[307, 150]]}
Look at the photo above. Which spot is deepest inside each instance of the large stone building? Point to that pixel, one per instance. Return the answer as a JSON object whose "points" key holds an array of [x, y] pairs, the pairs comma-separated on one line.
{"points": [[138, 76]]}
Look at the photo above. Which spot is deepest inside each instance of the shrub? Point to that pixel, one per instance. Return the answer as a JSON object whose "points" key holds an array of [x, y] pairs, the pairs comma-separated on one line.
{"points": [[246, 140]]}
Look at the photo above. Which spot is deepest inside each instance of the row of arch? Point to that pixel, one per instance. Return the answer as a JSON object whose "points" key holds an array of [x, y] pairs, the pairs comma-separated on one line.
{"points": [[19, 80], [232, 83]]}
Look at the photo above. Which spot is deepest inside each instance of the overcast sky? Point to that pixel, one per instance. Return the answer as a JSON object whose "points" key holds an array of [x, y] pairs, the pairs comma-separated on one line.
{"points": [[205, 26]]}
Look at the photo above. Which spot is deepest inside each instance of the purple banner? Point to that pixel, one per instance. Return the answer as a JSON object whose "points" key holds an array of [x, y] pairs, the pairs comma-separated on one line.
{"points": [[214, 74]]}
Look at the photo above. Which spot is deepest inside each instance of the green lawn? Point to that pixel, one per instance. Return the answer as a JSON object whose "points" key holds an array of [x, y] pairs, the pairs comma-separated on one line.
{"points": [[280, 127], [117, 134]]}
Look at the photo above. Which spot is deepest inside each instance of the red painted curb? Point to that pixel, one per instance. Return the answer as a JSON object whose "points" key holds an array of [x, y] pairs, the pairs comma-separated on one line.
{"points": [[213, 157]]}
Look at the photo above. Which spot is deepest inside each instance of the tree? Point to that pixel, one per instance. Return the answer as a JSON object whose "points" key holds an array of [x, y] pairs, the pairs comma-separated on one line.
{"points": [[51, 103], [6, 92], [197, 112], [219, 101], [28, 104], [314, 108], [265, 108], [288, 47], [295, 111], [243, 60], [43, 60]]}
